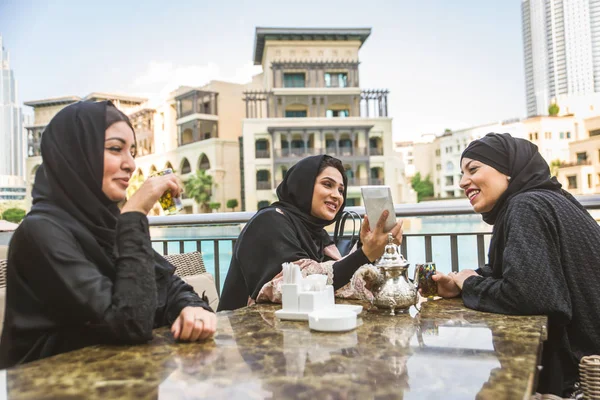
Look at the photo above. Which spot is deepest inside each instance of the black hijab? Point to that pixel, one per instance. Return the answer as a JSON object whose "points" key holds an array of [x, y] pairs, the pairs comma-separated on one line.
{"points": [[517, 158], [295, 195], [68, 184]]}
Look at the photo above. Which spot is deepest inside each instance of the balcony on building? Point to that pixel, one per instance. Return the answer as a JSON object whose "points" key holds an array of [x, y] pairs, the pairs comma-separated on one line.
{"points": [[197, 116], [288, 103], [290, 144], [142, 121]]}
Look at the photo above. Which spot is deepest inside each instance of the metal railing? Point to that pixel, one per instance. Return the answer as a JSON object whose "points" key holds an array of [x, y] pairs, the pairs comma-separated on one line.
{"points": [[425, 209]]}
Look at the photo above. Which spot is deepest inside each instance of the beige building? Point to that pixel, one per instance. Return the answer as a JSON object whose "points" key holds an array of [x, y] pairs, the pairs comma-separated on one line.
{"points": [[308, 101], [195, 129], [552, 135], [580, 174]]}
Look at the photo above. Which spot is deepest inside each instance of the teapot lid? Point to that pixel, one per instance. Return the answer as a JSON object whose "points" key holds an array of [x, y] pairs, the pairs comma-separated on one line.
{"points": [[391, 255]]}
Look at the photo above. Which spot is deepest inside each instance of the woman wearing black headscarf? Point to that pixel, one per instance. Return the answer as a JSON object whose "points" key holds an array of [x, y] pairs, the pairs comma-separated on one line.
{"points": [[80, 271], [311, 196], [544, 255]]}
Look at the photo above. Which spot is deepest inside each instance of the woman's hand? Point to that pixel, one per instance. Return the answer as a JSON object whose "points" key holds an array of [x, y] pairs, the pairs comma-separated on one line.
{"points": [[194, 323], [374, 241], [446, 287], [460, 277], [148, 194]]}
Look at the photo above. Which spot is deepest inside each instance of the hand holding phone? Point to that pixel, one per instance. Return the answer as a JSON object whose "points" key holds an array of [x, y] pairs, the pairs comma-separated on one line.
{"points": [[376, 200]]}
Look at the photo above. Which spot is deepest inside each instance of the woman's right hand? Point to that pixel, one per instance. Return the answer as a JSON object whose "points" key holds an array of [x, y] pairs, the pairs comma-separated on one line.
{"points": [[446, 287], [375, 240], [148, 194]]}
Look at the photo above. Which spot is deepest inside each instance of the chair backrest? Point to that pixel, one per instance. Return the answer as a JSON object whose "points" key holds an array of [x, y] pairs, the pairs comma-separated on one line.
{"points": [[187, 263], [190, 268]]}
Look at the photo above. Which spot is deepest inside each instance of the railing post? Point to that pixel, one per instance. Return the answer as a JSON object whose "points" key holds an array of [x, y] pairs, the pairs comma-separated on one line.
{"points": [[454, 252], [165, 247], [428, 252], [480, 250], [217, 267]]}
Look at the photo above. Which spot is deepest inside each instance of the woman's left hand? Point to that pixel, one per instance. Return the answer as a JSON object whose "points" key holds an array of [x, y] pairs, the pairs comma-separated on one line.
{"points": [[194, 323], [460, 277]]}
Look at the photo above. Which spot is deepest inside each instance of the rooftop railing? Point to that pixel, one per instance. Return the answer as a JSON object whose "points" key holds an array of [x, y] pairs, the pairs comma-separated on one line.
{"points": [[218, 244]]}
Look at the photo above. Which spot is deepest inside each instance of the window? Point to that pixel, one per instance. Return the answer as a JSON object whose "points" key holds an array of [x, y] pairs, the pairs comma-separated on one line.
{"points": [[568, 135], [437, 152], [293, 80], [572, 181], [530, 136], [261, 147], [590, 181], [449, 180], [548, 135], [336, 79], [438, 167], [535, 135], [562, 135], [351, 202], [581, 157], [295, 113], [262, 204], [337, 113], [449, 166]]}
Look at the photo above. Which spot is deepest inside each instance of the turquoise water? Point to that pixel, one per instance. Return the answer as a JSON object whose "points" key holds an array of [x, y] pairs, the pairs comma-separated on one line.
{"points": [[467, 246]]}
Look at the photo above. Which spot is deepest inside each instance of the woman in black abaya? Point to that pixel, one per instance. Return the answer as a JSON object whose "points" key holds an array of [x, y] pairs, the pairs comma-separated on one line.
{"points": [[311, 196], [544, 255], [80, 271]]}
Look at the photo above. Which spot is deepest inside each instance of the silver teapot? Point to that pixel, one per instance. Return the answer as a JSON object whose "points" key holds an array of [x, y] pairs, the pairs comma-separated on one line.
{"points": [[394, 290]]}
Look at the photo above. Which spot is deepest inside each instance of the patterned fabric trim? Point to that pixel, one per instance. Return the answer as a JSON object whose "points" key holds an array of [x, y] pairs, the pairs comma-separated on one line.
{"points": [[187, 264]]}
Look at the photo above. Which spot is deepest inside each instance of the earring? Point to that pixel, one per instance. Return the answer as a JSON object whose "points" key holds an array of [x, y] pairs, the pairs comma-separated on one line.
{"points": [[508, 178]]}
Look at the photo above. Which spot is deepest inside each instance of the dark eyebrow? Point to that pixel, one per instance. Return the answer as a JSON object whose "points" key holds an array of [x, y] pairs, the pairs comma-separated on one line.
{"points": [[115, 138], [333, 180], [466, 166]]}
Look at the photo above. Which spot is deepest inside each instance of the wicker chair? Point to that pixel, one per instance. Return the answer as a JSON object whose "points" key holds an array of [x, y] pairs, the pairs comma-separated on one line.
{"points": [[190, 267]]}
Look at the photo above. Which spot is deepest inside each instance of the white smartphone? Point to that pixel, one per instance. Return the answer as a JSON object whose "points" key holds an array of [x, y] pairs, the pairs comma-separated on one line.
{"points": [[376, 200]]}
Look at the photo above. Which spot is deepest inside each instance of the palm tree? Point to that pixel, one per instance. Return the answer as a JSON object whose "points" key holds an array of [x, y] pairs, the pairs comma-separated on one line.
{"points": [[199, 188]]}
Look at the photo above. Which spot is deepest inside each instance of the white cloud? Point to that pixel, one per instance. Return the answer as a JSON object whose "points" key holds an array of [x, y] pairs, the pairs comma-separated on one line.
{"points": [[161, 78]]}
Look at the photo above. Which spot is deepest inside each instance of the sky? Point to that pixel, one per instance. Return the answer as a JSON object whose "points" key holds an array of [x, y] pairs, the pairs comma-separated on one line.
{"points": [[447, 64]]}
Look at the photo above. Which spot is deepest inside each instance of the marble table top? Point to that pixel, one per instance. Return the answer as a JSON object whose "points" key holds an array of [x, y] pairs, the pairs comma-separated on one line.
{"points": [[445, 351]]}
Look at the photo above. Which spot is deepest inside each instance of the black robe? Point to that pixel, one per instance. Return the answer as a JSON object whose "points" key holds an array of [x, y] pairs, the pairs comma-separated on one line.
{"points": [[544, 259], [284, 232], [79, 272]]}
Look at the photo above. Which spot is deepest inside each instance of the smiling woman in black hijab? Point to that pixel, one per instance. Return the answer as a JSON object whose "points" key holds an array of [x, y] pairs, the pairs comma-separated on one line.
{"points": [[80, 271], [544, 256], [311, 196]]}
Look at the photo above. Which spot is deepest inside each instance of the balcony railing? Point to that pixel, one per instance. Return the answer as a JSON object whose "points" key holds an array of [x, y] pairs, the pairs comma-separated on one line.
{"points": [[217, 246], [263, 154], [266, 104], [263, 185], [575, 163], [374, 151]]}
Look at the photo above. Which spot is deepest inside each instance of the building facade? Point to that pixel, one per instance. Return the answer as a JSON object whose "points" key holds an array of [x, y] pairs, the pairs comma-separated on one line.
{"points": [[561, 42], [12, 138], [308, 101]]}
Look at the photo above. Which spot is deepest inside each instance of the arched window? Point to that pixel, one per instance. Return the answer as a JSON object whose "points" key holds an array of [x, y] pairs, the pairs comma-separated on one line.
{"points": [[169, 165], [185, 167], [152, 169], [203, 163], [449, 166]]}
